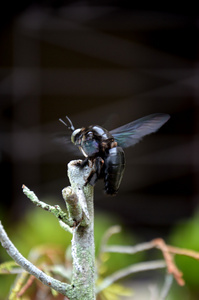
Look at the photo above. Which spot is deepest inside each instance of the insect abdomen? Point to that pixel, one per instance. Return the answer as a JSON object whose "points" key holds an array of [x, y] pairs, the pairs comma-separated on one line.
{"points": [[114, 169]]}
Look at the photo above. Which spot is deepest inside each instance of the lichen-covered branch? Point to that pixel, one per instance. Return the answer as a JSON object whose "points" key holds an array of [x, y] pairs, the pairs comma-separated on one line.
{"points": [[79, 221], [73, 206], [65, 220], [83, 249], [28, 266], [55, 210]]}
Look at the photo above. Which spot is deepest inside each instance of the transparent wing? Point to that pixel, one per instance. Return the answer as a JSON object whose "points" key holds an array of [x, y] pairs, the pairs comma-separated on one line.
{"points": [[131, 133], [63, 141]]}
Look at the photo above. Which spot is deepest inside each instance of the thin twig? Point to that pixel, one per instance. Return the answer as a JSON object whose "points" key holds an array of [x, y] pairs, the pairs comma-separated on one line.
{"points": [[110, 231], [166, 287], [55, 210], [135, 268], [129, 249], [28, 266], [167, 252], [181, 251], [171, 267], [29, 282], [65, 227], [73, 205], [18, 285]]}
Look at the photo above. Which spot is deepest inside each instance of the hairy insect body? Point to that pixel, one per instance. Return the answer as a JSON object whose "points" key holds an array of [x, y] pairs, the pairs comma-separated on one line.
{"points": [[98, 145]]}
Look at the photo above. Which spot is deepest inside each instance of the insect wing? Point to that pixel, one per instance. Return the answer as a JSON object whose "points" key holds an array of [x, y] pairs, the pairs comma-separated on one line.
{"points": [[131, 133], [63, 141]]}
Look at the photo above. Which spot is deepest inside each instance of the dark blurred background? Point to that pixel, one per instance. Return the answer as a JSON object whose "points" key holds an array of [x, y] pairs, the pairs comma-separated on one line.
{"points": [[105, 63]]}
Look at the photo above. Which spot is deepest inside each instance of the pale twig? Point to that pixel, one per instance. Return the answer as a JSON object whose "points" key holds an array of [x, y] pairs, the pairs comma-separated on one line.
{"points": [[167, 252], [55, 210], [129, 249], [10, 267], [135, 268], [65, 226], [28, 266], [19, 282], [72, 204], [110, 231], [153, 290], [166, 287]]}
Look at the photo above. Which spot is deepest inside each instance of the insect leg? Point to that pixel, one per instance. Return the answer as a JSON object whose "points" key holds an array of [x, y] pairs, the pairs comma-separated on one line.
{"points": [[84, 163], [96, 173]]}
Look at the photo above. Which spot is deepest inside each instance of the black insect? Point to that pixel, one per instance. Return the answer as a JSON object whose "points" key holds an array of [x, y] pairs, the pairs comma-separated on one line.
{"points": [[105, 148]]}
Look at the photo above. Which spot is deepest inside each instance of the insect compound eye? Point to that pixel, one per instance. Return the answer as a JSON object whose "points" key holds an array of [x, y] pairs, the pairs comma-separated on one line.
{"points": [[75, 135]]}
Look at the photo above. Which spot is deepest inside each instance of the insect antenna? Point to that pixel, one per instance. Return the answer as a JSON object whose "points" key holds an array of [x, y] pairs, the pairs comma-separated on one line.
{"points": [[70, 127]]}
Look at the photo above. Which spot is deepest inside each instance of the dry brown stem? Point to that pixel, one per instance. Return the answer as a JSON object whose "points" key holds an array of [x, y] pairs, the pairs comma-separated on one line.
{"points": [[168, 252]]}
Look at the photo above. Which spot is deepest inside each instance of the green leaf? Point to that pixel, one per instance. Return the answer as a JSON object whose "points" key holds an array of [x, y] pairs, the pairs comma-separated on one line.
{"points": [[9, 267]]}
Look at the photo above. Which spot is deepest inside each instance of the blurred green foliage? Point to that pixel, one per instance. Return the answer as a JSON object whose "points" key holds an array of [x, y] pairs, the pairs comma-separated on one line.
{"points": [[39, 227], [115, 261], [186, 235]]}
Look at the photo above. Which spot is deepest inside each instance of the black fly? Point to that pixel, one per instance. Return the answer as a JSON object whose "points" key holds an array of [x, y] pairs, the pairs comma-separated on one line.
{"points": [[105, 148]]}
